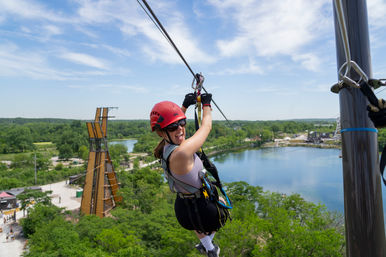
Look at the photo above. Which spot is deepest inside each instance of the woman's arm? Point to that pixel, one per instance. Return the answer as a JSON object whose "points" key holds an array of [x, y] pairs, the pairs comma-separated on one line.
{"points": [[181, 160], [194, 143]]}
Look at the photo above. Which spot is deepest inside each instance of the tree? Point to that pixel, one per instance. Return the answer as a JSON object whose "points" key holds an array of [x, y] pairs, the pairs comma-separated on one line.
{"points": [[19, 139], [83, 152], [57, 237], [28, 197], [65, 151], [37, 216], [113, 240]]}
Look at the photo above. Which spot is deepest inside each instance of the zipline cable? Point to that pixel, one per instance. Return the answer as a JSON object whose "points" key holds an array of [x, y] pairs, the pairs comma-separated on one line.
{"points": [[155, 23], [168, 38]]}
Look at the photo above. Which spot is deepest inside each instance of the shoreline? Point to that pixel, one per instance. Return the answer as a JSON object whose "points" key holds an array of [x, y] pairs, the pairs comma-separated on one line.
{"points": [[272, 144]]}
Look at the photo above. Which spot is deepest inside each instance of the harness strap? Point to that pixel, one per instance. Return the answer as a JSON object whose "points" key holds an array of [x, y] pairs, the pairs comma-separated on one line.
{"points": [[376, 119], [382, 164], [169, 176], [189, 196]]}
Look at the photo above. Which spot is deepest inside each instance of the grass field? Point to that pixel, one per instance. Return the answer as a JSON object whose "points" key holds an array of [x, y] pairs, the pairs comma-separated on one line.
{"points": [[47, 149]]}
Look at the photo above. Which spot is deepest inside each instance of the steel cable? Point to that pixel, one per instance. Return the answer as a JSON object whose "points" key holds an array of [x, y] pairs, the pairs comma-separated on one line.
{"points": [[170, 41]]}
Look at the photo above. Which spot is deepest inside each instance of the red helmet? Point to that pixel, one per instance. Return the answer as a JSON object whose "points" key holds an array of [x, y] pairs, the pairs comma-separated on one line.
{"points": [[164, 114]]}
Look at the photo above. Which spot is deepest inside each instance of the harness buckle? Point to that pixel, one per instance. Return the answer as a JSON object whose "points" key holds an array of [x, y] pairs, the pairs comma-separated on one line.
{"points": [[205, 193]]}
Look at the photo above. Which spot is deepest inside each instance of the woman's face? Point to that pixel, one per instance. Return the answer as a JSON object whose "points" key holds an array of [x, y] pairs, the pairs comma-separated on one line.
{"points": [[176, 132], [178, 136]]}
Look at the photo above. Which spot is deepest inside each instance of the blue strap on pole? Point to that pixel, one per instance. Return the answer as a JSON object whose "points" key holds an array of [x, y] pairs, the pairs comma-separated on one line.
{"points": [[359, 129]]}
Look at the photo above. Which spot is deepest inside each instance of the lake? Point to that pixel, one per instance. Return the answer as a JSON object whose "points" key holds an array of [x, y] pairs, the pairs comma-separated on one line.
{"points": [[314, 173], [129, 143]]}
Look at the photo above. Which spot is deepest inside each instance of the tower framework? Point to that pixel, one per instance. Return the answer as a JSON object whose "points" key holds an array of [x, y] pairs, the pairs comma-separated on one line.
{"points": [[100, 191]]}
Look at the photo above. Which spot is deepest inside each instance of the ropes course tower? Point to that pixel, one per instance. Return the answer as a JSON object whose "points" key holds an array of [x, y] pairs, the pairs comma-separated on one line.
{"points": [[100, 191]]}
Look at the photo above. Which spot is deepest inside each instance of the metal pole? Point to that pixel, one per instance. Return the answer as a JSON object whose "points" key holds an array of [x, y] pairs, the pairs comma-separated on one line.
{"points": [[35, 170], [364, 222]]}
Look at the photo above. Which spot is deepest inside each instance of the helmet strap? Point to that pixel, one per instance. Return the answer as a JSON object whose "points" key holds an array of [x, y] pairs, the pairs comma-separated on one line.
{"points": [[170, 139]]}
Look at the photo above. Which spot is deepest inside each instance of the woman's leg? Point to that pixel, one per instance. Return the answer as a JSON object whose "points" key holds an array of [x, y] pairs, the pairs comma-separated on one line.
{"points": [[206, 241]]}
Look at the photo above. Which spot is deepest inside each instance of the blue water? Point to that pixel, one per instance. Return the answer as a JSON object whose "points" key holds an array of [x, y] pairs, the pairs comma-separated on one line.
{"points": [[128, 143], [315, 174]]}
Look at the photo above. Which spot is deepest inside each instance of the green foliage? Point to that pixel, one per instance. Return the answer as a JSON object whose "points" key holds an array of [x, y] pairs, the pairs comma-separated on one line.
{"points": [[57, 237], [114, 241], [20, 177], [29, 196], [264, 224], [117, 151], [40, 214], [273, 224], [83, 152], [139, 189]]}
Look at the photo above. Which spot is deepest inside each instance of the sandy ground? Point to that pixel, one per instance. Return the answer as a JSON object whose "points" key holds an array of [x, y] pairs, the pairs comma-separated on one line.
{"points": [[63, 195]]}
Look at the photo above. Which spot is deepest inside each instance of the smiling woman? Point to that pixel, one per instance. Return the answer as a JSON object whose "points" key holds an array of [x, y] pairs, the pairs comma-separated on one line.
{"points": [[184, 170]]}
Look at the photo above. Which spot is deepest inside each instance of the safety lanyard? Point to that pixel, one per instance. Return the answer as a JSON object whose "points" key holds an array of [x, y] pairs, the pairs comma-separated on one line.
{"points": [[199, 79], [209, 166]]}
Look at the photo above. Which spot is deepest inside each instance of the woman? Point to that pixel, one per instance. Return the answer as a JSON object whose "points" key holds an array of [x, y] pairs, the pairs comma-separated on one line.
{"points": [[182, 168]]}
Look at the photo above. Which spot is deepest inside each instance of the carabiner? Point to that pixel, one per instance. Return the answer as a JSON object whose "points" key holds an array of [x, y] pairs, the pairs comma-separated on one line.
{"points": [[199, 81]]}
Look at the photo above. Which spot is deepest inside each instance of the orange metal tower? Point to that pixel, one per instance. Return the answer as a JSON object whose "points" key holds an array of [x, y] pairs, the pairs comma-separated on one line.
{"points": [[100, 191]]}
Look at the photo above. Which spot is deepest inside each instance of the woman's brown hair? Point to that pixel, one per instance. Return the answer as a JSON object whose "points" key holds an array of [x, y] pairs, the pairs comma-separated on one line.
{"points": [[158, 151]]}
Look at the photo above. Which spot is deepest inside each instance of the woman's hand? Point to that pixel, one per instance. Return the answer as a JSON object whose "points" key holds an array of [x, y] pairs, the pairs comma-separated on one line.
{"points": [[206, 98], [189, 100]]}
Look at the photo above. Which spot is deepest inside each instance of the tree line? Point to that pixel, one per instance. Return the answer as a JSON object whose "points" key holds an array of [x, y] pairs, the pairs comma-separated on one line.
{"points": [[71, 140]]}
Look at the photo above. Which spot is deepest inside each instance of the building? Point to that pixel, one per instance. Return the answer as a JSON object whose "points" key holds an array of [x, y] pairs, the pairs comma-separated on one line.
{"points": [[7, 201]]}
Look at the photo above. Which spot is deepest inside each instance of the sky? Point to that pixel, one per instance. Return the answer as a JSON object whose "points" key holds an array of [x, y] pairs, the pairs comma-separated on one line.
{"points": [[261, 59]]}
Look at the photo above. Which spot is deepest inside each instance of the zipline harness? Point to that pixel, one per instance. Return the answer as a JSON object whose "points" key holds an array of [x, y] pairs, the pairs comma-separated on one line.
{"points": [[377, 107]]}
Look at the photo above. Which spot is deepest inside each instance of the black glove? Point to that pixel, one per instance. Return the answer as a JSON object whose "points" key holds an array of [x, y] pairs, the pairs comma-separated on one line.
{"points": [[377, 114], [206, 99], [189, 100]]}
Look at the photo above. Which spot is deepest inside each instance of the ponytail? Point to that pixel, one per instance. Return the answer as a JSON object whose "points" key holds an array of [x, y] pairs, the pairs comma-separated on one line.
{"points": [[158, 151]]}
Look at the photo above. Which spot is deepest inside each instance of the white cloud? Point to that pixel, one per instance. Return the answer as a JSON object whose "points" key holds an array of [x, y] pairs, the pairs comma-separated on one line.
{"points": [[250, 68], [273, 27], [52, 30], [84, 59], [317, 88], [113, 88], [133, 22], [14, 62], [234, 47], [29, 10], [308, 60], [377, 13], [36, 65]]}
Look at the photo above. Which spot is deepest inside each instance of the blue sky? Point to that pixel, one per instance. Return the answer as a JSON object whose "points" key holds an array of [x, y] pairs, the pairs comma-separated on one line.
{"points": [[262, 59]]}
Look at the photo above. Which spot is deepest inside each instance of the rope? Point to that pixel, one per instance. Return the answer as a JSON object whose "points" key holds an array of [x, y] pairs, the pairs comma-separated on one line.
{"points": [[163, 31], [346, 67]]}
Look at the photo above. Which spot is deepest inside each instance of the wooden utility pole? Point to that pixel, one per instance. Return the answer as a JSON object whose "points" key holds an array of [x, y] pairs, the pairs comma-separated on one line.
{"points": [[364, 221], [36, 180]]}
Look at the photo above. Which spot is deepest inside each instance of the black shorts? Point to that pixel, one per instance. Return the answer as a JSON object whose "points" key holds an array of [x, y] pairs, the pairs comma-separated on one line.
{"points": [[199, 214]]}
